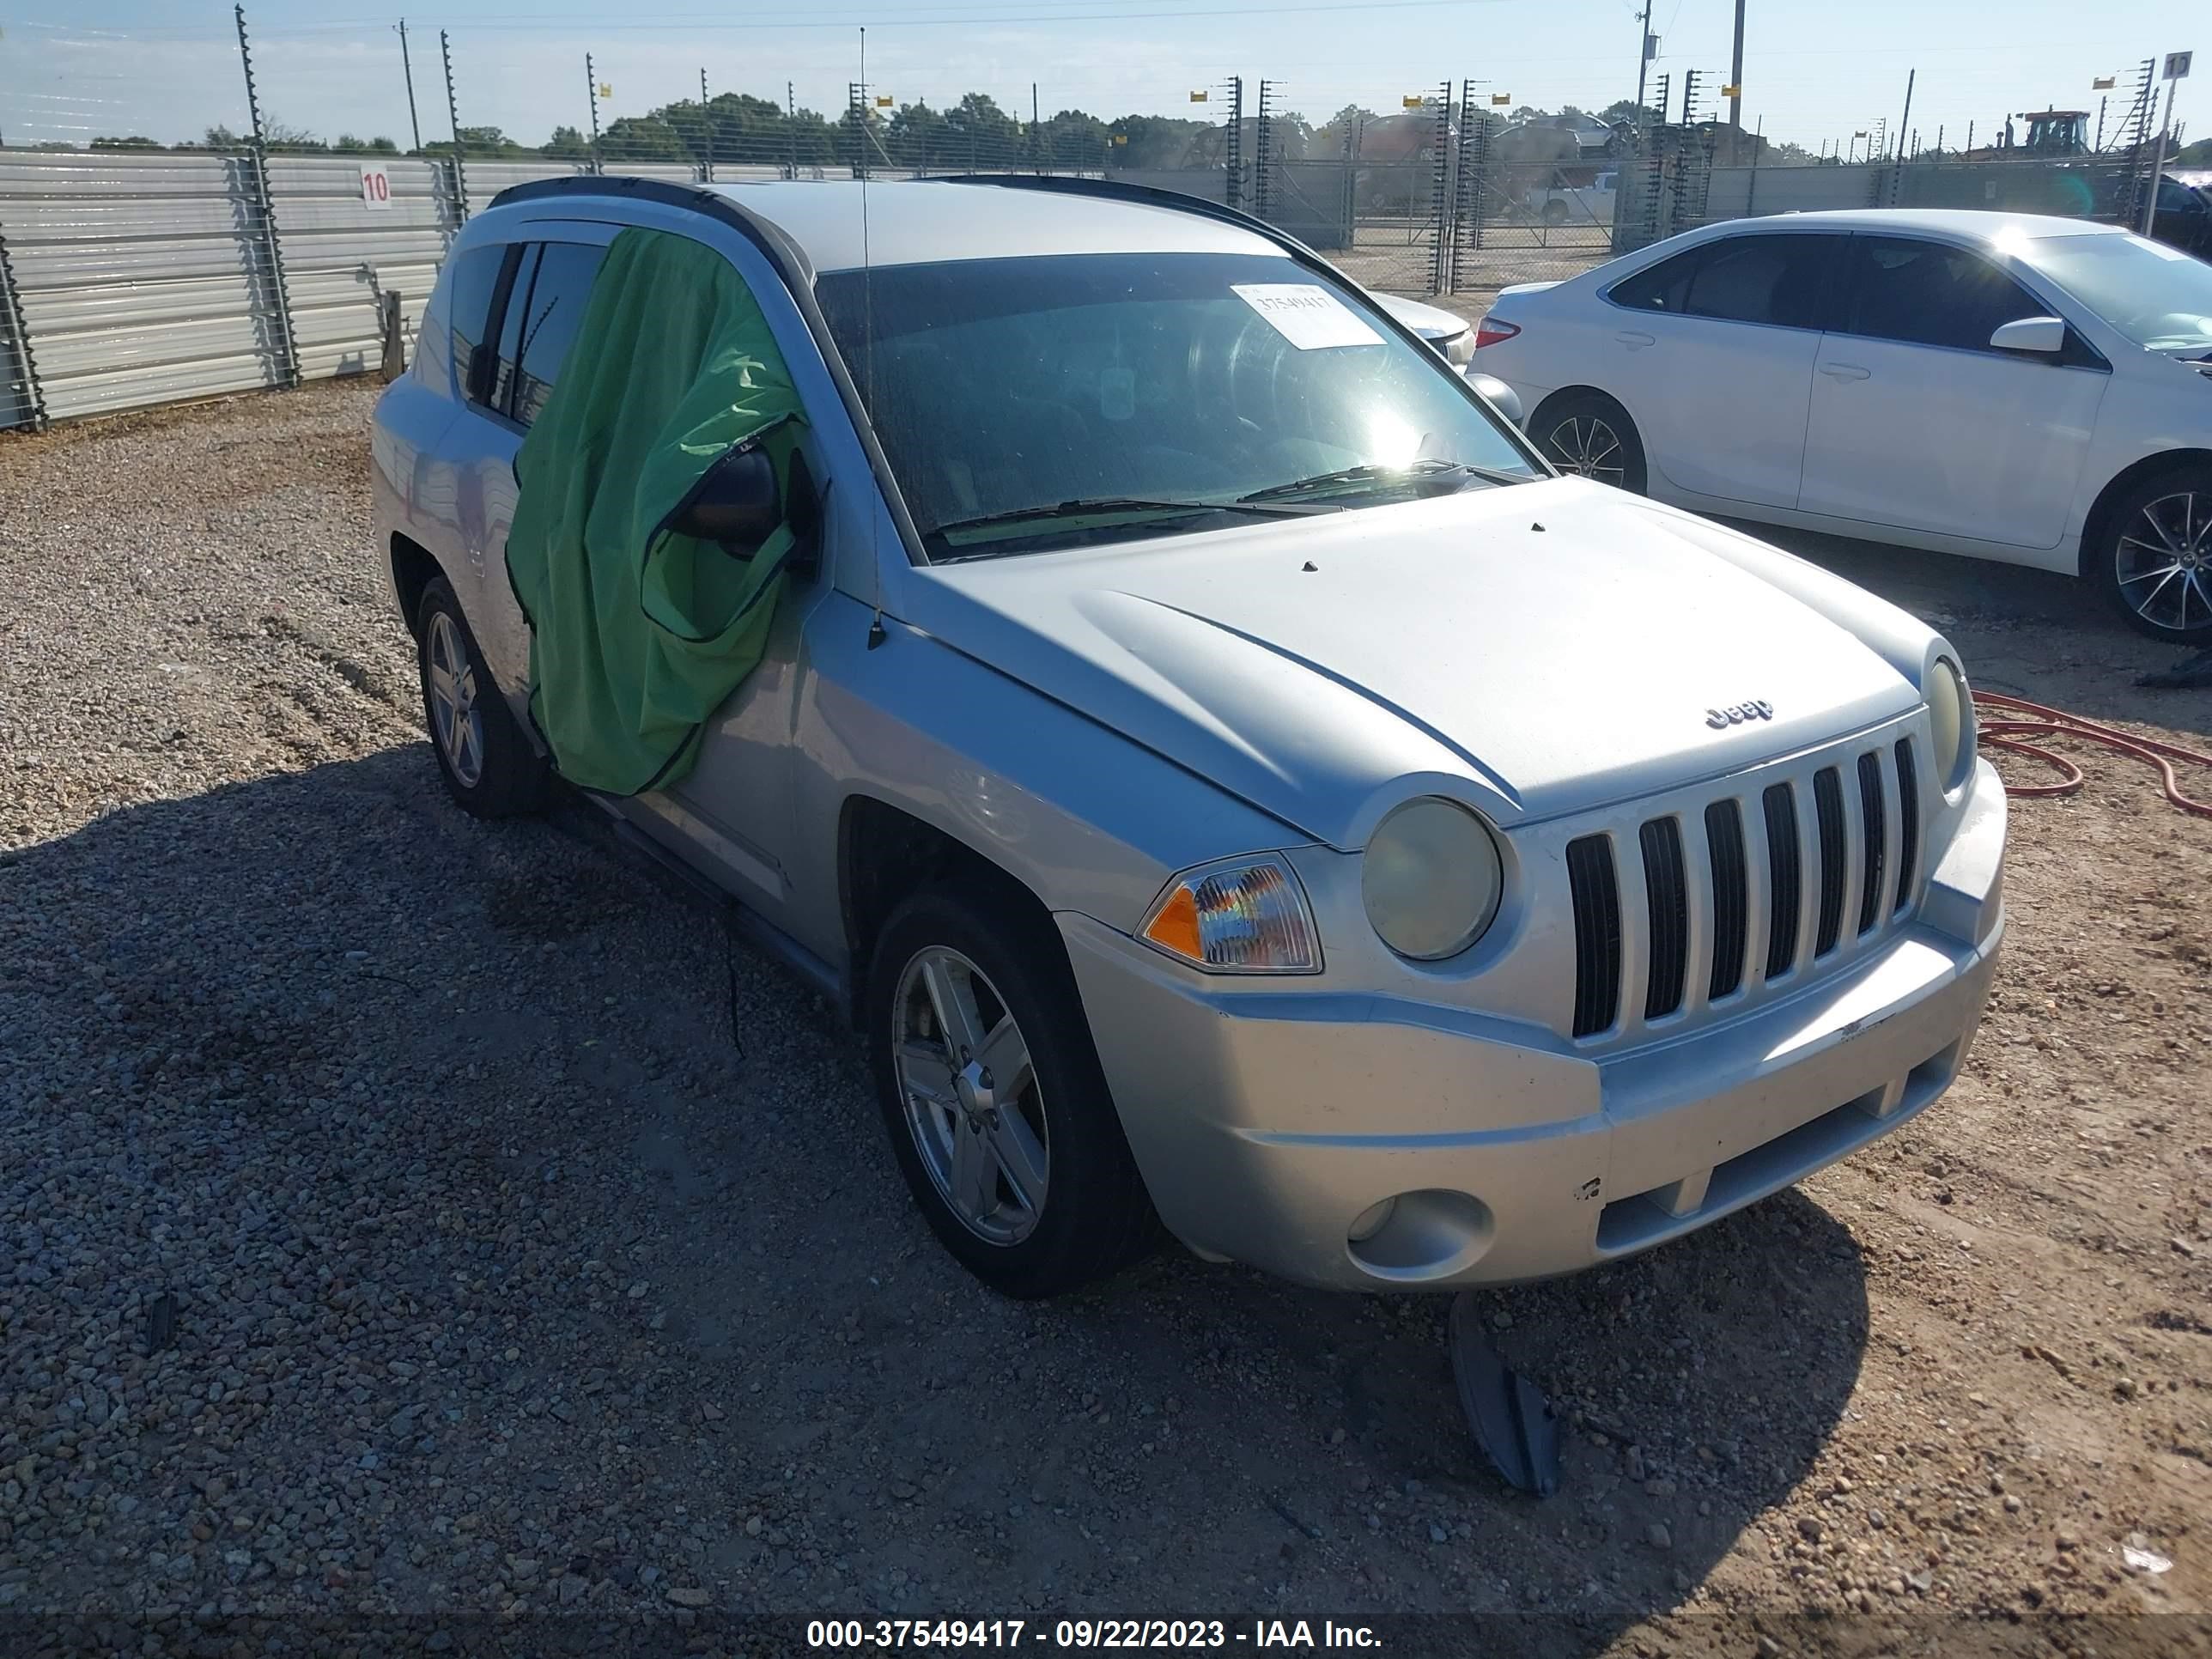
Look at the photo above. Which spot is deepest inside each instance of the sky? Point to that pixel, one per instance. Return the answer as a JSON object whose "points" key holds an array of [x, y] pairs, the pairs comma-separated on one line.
{"points": [[1812, 75]]}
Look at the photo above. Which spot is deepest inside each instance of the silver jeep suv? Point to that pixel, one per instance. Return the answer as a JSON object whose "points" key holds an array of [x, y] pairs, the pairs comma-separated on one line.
{"points": [[1233, 782]]}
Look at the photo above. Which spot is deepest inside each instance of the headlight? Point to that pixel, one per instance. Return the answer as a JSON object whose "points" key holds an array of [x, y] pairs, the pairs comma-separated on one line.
{"points": [[1950, 721], [1241, 916], [1431, 878]]}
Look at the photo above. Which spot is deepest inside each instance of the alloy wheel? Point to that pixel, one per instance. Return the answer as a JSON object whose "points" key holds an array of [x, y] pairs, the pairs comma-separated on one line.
{"points": [[1587, 447], [456, 721], [2163, 562], [973, 1105]]}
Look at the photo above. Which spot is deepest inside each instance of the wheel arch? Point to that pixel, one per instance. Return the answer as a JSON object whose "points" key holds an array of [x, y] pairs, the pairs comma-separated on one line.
{"points": [[885, 853], [2098, 519], [1553, 400], [413, 568]]}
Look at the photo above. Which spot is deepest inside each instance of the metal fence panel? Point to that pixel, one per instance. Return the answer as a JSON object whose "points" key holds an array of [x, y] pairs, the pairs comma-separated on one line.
{"points": [[143, 279], [341, 256]]}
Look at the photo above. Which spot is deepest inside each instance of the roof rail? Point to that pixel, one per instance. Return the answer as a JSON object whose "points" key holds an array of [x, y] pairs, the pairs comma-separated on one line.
{"points": [[1149, 194], [666, 191]]}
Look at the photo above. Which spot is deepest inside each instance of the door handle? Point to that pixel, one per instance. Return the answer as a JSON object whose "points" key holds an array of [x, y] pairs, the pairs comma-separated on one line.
{"points": [[1846, 371], [1633, 340]]}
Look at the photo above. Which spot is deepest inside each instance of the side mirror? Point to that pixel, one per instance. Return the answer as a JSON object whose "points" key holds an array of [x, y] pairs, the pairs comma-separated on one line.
{"points": [[2045, 334], [1501, 397], [735, 503]]}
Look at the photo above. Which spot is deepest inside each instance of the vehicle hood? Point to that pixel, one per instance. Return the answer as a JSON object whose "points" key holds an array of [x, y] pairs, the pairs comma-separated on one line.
{"points": [[1430, 322], [1536, 650]]}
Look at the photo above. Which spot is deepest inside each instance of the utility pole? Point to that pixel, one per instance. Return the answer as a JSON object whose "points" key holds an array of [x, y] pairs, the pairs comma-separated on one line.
{"points": [[592, 88], [1910, 76], [1735, 73], [1643, 57], [407, 67]]}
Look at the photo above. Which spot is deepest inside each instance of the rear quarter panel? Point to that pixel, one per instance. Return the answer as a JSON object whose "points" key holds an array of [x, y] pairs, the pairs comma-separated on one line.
{"points": [[413, 489]]}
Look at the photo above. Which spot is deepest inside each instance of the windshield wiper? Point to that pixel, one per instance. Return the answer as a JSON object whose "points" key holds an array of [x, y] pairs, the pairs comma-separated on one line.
{"points": [[1091, 505], [1423, 476]]}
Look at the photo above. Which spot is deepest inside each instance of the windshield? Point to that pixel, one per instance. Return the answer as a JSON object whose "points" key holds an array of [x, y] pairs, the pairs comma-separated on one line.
{"points": [[1070, 399], [2158, 296]]}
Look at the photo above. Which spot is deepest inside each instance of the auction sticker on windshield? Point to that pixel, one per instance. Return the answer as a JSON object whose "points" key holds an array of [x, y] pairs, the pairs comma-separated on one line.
{"points": [[1309, 317]]}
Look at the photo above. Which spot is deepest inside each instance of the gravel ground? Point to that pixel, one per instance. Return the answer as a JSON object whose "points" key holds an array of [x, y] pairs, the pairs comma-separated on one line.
{"points": [[504, 1281]]}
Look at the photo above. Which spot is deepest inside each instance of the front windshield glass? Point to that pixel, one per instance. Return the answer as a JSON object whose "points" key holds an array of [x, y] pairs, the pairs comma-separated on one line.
{"points": [[2158, 296], [1065, 400]]}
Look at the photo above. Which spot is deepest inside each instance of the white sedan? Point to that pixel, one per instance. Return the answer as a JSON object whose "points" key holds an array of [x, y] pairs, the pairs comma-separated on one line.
{"points": [[2006, 387]]}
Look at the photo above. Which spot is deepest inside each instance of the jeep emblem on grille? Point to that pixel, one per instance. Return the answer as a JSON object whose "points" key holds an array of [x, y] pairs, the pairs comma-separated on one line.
{"points": [[1721, 719]]}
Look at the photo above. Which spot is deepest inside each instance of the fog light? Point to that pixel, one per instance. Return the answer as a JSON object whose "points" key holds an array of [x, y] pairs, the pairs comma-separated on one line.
{"points": [[1417, 1237]]}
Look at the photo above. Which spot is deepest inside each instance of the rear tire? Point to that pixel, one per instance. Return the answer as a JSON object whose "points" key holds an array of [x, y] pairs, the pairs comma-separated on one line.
{"points": [[1590, 436], [490, 769], [1555, 213], [999, 1113], [2152, 559]]}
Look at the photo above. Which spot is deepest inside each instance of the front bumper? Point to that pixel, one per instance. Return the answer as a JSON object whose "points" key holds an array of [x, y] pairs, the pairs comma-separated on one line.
{"points": [[1269, 1121]]}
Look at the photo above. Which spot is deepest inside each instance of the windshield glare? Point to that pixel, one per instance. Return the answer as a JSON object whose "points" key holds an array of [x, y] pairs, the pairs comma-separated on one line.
{"points": [[1184, 381], [2158, 297]]}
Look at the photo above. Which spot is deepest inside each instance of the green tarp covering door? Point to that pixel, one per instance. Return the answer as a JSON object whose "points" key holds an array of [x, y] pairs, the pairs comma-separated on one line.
{"points": [[638, 634]]}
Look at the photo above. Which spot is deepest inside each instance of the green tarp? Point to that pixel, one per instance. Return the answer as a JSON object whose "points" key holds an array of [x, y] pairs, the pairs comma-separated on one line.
{"points": [[638, 634]]}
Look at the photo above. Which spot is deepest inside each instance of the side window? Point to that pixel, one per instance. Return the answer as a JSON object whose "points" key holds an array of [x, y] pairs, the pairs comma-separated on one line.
{"points": [[1774, 279], [469, 295], [510, 328], [1663, 286], [559, 288], [1928, 294]]}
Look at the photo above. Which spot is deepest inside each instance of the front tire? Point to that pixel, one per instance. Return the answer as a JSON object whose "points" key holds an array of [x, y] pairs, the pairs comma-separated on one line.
{"points": [[992, 1093], [489, 767], [2154, 559], [1589, 435]]}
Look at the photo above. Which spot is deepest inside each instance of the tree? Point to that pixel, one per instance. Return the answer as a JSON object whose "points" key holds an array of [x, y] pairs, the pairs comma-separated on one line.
{"points": [[642, 139], [2198, 155], [1339, 130], [1622, 109], [1073, 141], [566, 144], [1289, 136], [918, 136], [481, 142], [983, 135], [136, 141], [283, 135], [378, 146], [1165, 142]]}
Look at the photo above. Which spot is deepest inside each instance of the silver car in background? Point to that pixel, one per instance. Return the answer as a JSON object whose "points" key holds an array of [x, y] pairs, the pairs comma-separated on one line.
{"points": [[1233, 782]]}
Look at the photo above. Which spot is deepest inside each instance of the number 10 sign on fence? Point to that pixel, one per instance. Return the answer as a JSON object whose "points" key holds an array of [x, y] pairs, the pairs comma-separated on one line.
{"points": [[375, 187]]}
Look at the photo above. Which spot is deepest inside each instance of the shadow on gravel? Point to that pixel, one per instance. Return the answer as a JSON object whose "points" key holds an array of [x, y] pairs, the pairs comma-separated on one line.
{"points": [[437, 1132]]}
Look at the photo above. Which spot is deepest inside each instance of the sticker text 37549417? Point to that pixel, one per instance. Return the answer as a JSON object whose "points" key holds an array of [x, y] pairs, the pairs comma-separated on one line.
{"points": [[1308, 316]]}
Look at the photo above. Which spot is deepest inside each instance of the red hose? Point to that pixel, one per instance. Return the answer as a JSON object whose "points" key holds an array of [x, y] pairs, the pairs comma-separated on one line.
{"points": [[2007, 735]]}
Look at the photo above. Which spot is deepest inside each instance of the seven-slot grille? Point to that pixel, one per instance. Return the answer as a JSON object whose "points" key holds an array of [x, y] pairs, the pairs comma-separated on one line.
{"points": [[1724, 910]]}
